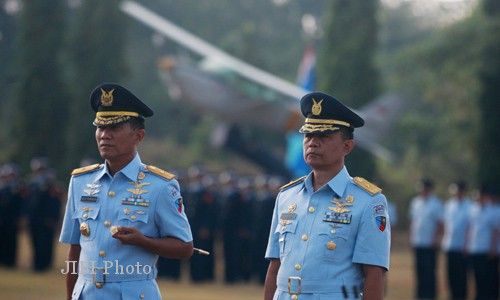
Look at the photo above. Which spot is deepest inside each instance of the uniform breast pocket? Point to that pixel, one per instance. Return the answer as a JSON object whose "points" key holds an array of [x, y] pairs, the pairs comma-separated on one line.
{"points": [[87, 217], [334, 241], [286, 237], [133, 216]]}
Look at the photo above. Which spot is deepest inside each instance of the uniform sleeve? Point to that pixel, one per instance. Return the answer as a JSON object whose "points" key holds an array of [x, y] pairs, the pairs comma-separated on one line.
{"points": [[273, 250], [70, 232], [170, 216], [373, 242]]}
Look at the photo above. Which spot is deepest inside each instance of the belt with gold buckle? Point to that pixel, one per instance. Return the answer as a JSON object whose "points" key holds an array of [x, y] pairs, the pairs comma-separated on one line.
{"points": [[294, 286], [99, 279]]}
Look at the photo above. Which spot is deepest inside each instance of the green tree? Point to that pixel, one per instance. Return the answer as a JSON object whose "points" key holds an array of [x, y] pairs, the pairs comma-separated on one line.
{"points": [[8, 29], [96, 50], [40, 95], [488, 144], [346, 63]]}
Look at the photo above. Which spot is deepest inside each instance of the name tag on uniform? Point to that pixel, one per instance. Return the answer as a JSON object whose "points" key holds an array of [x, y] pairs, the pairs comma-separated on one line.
{"points": [[88, 199], [288, 216], [341, 218]]}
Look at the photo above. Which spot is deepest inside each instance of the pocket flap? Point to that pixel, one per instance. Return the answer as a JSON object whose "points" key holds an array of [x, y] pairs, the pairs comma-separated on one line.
{"points": [[133, 214], [287, 228], [86, 212]]}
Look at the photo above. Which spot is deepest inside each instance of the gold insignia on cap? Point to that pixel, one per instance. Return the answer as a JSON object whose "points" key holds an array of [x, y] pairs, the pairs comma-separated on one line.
{"points": [[85, 229], [316, 108], [107, 97]]}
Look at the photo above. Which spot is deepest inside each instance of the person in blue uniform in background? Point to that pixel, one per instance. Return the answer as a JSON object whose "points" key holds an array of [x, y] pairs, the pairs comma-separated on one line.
{"points": [[426, 230], [456, 223], [330, 235], [484, 242], [122, 214]]}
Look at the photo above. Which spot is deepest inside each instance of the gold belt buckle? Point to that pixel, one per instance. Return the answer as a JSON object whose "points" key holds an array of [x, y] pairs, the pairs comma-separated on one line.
{"points": [[99, 284], [298, 289]]}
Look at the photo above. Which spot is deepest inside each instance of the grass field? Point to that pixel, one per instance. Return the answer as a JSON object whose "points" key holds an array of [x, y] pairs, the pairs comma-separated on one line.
{"points": [[22, 284]]}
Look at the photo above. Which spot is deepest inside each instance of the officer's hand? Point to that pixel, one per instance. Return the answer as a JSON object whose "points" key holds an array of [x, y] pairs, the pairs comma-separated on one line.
{"points": [[129, 235]]}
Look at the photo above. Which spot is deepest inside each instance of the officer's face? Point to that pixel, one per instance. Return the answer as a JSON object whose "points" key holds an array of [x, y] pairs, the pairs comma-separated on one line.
{"points": [[326, 151], [118, 142]]}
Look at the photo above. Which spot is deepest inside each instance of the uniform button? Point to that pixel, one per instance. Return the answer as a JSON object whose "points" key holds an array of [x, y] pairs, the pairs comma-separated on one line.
{"points": [[107, 223], [141, 296], [312, 209], [133, 217], [102, 253], [111, 194], [295, 297], [298, 267], [85, 215], [305, 237], [331, 245]]}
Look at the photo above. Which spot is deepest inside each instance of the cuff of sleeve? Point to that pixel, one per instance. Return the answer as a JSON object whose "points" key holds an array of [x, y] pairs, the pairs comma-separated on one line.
{"points": [[370, 258]]}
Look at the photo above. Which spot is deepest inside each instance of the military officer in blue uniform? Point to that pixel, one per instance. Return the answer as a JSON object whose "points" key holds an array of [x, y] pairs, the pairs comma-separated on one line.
{"points": [[330, 232], [426, 231], [122, 214], [483, 242], [456, 222]]}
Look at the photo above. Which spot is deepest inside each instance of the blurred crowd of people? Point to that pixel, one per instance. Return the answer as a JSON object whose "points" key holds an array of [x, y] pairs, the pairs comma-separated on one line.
{"points": [[467, 231], [31, 203], [236, 211], [231, 209]]}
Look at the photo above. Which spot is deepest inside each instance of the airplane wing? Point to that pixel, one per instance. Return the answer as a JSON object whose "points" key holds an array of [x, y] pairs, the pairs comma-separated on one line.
{"points": [[208, 51], [378, 114]]}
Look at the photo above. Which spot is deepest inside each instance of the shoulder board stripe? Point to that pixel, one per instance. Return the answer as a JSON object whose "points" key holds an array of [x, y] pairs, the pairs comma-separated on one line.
{"points": [[292, 183], [86, 169], [159, 172], [367, 186]]}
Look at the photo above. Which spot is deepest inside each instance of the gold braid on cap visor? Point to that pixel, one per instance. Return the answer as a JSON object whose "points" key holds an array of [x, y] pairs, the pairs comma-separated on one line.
{"points": [[327, 121], [314, 125], [103, 118], [306, 128]]}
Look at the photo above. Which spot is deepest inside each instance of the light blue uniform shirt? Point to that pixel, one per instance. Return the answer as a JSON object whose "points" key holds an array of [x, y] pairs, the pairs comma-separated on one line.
{"points": [[425, 215], [134, 197], [484, 221], [325, 237], [393, 213], [456, 221]]}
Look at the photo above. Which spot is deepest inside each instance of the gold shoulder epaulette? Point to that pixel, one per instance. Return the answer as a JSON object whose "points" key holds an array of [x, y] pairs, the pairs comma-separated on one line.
{"points": [[160, 172], [367, 186], [292, 183], [86, 169]]}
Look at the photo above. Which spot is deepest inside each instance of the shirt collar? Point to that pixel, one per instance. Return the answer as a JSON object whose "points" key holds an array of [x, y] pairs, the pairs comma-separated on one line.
{"points": [[337, 184], [130, 170]]}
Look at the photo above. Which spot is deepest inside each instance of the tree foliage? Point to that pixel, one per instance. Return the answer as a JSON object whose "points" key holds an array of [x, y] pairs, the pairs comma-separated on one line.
{"points": [[489, 105], [40, 93], [96, 52], [347, 63]]}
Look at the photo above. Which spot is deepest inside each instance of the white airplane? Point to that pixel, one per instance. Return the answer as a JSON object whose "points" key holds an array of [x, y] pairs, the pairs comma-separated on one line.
{"points": [[239, 93]]}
